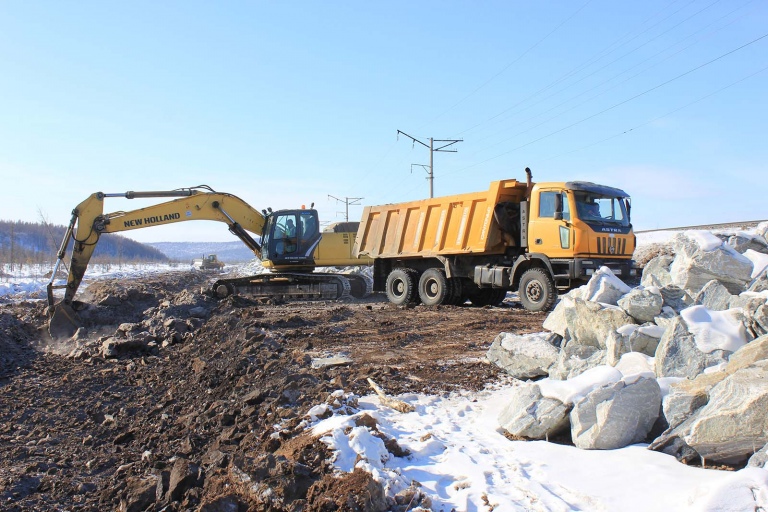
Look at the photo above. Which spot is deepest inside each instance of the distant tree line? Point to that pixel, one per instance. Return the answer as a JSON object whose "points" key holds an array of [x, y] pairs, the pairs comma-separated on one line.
{"points": [[36, 243]]}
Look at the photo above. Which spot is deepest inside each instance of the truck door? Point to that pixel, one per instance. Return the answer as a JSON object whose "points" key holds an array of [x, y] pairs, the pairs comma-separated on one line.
{"points": [[547, 233]]}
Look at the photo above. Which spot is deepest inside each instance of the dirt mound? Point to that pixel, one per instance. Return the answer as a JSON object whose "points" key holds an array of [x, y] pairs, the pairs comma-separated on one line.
{"points": [[16, 338], [182, 402]]}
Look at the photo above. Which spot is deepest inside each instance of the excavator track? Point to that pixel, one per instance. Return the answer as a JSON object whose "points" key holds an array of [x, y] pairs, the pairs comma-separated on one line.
{"points": [[287, 286]]}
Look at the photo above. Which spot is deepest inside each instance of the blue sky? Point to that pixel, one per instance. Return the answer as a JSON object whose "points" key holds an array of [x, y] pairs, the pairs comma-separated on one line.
{"points": [[285, 103]]}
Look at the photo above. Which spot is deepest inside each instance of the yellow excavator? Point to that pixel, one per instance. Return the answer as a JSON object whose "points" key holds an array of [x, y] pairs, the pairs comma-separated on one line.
{"points": [[291, 246]]}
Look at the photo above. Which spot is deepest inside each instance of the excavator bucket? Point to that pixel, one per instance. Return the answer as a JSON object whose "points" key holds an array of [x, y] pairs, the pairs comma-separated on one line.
{"points": [[64, 321]]}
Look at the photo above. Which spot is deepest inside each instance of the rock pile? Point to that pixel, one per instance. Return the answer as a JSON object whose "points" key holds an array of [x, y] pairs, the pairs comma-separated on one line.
{"points": [[680, 361]]}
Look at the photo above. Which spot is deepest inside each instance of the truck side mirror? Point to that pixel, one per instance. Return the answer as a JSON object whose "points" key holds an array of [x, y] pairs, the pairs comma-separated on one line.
{"points": [[558, 206]]}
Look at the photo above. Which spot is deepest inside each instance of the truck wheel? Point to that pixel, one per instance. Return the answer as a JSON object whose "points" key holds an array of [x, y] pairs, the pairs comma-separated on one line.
{"points": [[401, 286], [457, 295], [433, 287], [537, 290]]}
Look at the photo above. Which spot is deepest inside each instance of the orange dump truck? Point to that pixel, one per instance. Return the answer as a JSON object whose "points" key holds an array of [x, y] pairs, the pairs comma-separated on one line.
{"points": [[515, 236]]}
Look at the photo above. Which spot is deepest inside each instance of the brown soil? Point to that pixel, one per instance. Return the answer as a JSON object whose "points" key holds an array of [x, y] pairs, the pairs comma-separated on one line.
{"points": [[196, 411]]}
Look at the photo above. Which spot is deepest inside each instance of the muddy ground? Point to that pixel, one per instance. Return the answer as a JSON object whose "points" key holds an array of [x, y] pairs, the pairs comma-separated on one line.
{"points": [[173, 400]]}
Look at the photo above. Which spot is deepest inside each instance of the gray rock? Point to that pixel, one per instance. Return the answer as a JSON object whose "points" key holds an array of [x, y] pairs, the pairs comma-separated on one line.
{"points": [[531, 415], [762, 230], [590, 323], [574, 359], [676, 298], [756, 317], [642, 304], [616, 415], [666, 318], [681, 403], [555, 321], [643, 339], [139, 495], [731, 427], [656, 272], [759, 459], [678, 356], [198, 312], [523, 357], [741, 243], [694, 267], [714, 296], [604, 287], [686, 397], [184, 476], [760, 283], [114, 347]]}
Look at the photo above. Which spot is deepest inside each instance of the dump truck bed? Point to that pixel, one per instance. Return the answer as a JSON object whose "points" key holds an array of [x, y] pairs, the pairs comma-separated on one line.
{"points": [[458, 224]]}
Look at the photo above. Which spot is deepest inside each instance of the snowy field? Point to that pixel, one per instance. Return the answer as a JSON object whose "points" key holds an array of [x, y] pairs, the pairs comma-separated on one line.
{"points": [[461, 459], [463, 462]]}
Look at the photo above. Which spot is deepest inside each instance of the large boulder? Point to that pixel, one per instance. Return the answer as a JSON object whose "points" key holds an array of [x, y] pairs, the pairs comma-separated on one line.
{"points": [[604, 287], [642, 304], [760, 283], [523, 357], [759, 459], [616, 415], [531, 415], [590, 323], [575, 359], [714, 296], [687, 396], [555, 321], [679, 356], [743, 242], [701, 257], [762, 230], [656, 272], [633, 338], [732, 425]]}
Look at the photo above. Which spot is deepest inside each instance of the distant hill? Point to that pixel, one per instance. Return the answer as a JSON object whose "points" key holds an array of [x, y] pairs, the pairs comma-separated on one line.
{"points": [[34, 242], [228, 252]]}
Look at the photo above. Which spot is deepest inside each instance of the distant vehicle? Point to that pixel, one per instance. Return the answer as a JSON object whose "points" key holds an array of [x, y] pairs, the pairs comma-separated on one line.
{"points": [[210, 262]]}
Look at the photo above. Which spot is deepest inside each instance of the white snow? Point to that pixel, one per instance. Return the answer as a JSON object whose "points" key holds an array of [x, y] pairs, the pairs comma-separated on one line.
{"points": [[715, 330], [462, 461], [759, 261], [706, 239], [569, 391]]}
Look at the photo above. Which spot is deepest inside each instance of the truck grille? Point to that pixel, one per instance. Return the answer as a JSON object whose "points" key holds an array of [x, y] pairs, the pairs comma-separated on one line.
{"points": [[611, 246]]}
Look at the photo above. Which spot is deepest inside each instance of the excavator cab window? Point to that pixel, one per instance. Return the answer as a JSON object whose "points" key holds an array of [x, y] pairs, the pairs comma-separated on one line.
{"points": [[292, 236]]}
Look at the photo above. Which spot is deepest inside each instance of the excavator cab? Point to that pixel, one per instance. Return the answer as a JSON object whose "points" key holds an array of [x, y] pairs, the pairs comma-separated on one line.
{"points": [[290, 237]]}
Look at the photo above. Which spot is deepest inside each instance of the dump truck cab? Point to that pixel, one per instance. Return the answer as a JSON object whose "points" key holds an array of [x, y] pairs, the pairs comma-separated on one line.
{"points": [[586, 224]]}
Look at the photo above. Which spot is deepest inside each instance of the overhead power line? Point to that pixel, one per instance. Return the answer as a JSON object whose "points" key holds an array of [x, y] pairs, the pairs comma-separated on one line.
{"points": [[620, 103], [494, 77], [702, 98]]}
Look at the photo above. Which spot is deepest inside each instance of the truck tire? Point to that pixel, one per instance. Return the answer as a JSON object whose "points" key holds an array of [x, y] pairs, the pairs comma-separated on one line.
{"points": [[457, 295], [401, 286], [433, 287], [537, 290]]}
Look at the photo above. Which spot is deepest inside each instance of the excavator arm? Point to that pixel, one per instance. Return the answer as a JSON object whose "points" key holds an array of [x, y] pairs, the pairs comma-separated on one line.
{"points": [[89, 221]]}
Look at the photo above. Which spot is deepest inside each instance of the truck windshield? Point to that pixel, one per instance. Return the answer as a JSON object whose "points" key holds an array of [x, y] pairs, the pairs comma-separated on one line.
{"points": [[592, 208]]}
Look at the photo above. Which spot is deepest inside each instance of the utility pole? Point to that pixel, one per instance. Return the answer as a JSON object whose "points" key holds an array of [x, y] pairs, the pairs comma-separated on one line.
{"points": [[347, 202], [432, 151]]}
